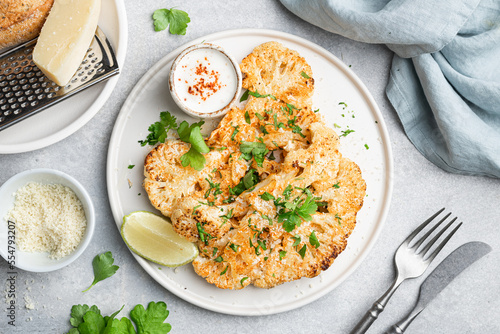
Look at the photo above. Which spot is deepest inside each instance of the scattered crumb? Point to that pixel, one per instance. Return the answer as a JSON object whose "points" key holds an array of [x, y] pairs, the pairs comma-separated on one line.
{"points": [[29, 303]]}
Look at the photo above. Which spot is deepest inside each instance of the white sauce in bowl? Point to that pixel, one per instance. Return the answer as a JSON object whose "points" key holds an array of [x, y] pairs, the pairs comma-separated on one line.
{"points": [[205, 80]]}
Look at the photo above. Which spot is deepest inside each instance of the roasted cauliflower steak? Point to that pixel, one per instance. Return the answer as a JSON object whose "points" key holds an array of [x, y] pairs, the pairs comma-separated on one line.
{"points": [[276, 200]]}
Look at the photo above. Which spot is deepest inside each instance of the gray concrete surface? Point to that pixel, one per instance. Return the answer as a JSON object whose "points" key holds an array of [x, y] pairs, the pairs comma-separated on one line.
{"points": [[469, 305]]}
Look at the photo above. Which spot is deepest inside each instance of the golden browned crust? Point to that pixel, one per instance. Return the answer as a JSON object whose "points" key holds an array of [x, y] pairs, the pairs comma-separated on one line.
{"points": [[242, 237], [21, 21]]}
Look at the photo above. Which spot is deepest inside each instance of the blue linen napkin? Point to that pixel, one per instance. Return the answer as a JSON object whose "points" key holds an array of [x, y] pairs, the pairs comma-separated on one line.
{"points": [[445, 76]]}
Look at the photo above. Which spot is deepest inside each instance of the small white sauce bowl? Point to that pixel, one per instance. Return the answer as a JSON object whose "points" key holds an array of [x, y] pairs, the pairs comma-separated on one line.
{"points": [[179, 70], [41, 262]]}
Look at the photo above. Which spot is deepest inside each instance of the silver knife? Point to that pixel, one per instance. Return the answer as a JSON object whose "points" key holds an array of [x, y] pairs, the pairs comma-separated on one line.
{"points": [[445, 272]]}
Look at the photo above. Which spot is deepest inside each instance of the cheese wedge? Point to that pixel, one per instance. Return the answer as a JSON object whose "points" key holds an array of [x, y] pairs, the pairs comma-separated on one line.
{"points": [[65, 38]]}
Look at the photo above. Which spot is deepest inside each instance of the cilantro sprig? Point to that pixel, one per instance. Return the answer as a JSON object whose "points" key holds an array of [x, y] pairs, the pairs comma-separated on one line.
{"points": [[175, 19], [103, 268], [89, 320], [190, 134], [257, 150]]}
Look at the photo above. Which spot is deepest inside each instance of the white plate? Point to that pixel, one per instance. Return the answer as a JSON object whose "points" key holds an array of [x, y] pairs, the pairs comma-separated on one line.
{"points": [[65, 118], [334, 83]]}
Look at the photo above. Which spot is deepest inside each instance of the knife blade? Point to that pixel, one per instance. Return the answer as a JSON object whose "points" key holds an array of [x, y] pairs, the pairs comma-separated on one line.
{"points": [[458, 260]]}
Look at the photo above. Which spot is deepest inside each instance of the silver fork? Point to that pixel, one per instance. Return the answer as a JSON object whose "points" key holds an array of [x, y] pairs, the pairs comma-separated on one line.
{"points": [[411, 260]]}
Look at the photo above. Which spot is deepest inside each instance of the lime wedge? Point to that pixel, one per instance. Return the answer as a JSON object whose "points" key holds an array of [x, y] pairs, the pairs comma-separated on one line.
{"points": [[153, 237]]}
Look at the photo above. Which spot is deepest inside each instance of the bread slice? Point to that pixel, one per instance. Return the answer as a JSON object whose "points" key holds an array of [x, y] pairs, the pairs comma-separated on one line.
{"points": [[21, 21]]}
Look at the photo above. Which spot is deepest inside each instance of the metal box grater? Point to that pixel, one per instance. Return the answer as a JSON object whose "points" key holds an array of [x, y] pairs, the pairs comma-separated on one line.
{"points": [[25, 90]]}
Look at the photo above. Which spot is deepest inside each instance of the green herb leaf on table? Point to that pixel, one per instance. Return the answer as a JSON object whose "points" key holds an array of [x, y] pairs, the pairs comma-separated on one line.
{"points": [[87, 320], [175, 18], [152, 319], [103, 268]]}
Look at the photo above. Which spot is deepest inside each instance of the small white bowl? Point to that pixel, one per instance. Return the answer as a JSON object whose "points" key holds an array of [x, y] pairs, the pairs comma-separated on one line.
{"points": [[40, 262], [185, 96]]}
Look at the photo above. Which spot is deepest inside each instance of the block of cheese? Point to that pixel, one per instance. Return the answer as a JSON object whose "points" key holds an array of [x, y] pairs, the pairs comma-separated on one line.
{"points": [[65, 38]]}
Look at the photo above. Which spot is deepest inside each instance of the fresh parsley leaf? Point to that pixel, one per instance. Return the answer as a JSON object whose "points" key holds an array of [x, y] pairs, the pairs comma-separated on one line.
{"points": [[193, 158], [87, 320], [313, 240], [152, 319], [92, 323], [219, 259], [78, 311], [336, 185], [192, 134], [250, 179], [282, 255], [158, 131], [131, 166], [247, 118], [196, 139], [177, 19], [103, 268], [256, 149]]}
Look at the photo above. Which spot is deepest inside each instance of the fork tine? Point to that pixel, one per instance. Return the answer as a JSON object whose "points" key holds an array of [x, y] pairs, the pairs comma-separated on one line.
{"points": [[430, 243], [441, 245], [423, 238], [422, 226]]}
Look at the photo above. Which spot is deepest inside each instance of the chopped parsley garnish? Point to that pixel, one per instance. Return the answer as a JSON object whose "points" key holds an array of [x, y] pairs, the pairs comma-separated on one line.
{"points": [[259, 116], [339, 219], [235, 131], [175, 18], [336, 185], [291, 213], [296, 240], [213, 186], [131, 166], [367, 147], [247, 118], [248, 181], [244, 96], [267, 196], [234, 247], [224, 271], [243, 280], [346, 132], [343, 104], [204, 236], [302, 251], [304, 74], [282, 255], [219, 259], [256, 94], [313, 240], [214, 251]]}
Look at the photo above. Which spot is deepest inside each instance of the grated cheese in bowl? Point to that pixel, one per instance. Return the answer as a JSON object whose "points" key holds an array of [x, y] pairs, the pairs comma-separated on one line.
{"points": [[49, 218]]}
